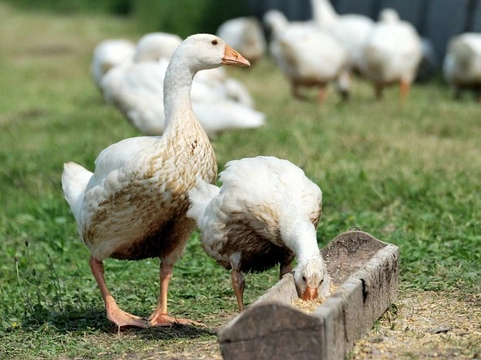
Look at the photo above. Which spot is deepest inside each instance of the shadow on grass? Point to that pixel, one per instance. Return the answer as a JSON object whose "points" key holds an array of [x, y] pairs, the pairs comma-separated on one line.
{"points": [[174, 332], [95, 321]]}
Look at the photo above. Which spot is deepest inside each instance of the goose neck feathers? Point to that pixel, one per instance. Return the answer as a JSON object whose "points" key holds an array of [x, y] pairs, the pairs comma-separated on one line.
{"points": [[197, 52], [324, 13], [301, 238], [389, 16]]}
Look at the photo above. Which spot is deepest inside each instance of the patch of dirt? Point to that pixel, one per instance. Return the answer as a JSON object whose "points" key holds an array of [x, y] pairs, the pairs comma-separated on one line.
{"points": [[421, 325], [425, 325], [201, 350]]}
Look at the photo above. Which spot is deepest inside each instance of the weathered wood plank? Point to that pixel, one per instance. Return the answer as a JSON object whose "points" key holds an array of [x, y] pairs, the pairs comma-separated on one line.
{"points": [[367, 271]]}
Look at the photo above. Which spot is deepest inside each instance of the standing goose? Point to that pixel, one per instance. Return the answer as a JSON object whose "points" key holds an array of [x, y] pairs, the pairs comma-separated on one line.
{"points": [[351, 30], [462, 64], [133, 206], [265, 213], [391, 54], [307, 55]]}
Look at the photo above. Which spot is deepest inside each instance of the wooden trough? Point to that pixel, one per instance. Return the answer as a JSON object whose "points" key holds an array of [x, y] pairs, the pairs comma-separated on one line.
{"points": [[365, 273]]}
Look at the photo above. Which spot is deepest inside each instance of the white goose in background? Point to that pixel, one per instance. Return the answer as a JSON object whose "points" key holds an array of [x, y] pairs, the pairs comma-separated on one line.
{"points": [[351, 30], [220, 103], [108, 54], [246, 35], [392, 54], [462, 64], [307, 55], [265, 213], [220, 85], [150, 49], [111, 53], [156, 45], [134, 205]]}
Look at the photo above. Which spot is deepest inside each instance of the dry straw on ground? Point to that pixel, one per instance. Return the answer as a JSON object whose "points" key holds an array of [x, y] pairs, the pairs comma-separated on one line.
{"points": [[426, 325], [421, 325]]}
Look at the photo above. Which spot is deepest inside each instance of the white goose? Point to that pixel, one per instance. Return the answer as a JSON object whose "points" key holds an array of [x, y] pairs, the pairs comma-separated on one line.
{"points": [[462, 64], [220, 103], [265, 213], [392, 54], [108, 54], [152, 48], [246, 35], [220, 85], [351, 30], [156, 45], [112, 53], [307, 55], [133, 206]]}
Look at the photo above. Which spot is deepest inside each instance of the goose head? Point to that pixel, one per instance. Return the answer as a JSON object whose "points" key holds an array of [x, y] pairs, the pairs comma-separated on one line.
{"points": [[389, 15], [206, 51], [275, 21], [311, 279], [197, 52]]}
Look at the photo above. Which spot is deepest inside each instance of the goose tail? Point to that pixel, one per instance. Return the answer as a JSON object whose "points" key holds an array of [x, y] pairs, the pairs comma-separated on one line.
{"points": [[74, 182], [200, 196]]}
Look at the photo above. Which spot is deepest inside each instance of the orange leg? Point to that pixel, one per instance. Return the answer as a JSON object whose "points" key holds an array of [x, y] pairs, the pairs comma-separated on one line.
{"points": [[238, 284], [160, 316], [404, 88], [114, 313], [321, 96]]}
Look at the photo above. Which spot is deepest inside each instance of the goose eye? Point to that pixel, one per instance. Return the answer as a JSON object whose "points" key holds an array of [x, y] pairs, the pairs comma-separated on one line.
{"points": [[304, 279], [214, 42]]}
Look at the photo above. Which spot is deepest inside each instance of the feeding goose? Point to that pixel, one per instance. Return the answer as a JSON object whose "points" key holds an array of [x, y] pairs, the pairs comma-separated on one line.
{"points": [[265, 213]]}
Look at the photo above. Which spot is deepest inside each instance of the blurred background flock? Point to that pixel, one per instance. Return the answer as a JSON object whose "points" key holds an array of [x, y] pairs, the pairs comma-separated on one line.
{"points": [[378, 101]]}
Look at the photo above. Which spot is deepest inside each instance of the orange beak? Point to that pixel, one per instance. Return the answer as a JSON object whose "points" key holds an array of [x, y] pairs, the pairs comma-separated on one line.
{"points": [[309, 294], [232, 57]]}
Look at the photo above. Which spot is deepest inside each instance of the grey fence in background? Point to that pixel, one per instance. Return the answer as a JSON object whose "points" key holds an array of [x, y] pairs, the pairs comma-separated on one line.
{"points": [[437, 20]]}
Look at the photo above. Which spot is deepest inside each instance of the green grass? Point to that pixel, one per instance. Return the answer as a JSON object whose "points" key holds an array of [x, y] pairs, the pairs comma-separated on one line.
{"points": [[409, 175]]}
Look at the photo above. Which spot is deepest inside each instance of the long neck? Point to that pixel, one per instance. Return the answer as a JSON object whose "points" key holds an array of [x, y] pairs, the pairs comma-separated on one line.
{"points": [[279, 25], [177, 86], [303, 241], [323, 12]]}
